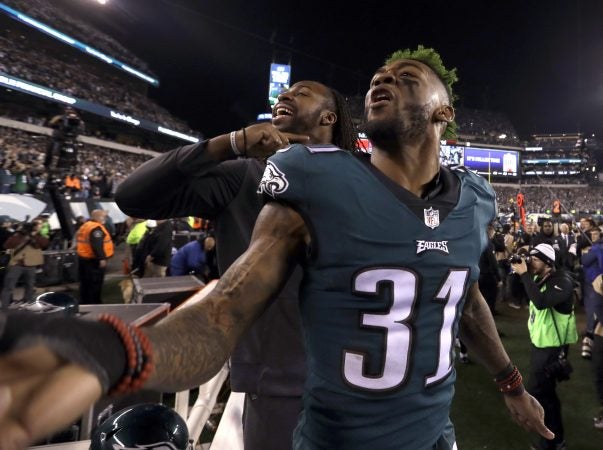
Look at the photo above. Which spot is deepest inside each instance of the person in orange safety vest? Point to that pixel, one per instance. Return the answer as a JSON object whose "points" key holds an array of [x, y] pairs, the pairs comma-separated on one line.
{"points": [[94, 246]]}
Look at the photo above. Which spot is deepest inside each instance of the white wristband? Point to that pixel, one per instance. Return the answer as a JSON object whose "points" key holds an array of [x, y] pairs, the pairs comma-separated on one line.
{"points": [[233, 143]]}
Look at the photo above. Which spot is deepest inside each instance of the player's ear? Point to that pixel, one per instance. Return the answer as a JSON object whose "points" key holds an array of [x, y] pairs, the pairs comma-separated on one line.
{"points": [[444, 113], [328, 118]]}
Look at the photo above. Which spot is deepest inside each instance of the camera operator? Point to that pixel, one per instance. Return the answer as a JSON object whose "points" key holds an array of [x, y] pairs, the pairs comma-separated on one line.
{"points": [[26, 246], [67, 127], [552, 327]]}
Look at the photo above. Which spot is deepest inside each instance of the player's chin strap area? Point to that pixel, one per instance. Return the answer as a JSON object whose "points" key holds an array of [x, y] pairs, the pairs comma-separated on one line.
{"points": [[96, 346]]}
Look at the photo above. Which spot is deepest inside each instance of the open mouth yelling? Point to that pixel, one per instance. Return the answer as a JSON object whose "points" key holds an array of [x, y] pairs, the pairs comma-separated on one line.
{"points": [[281, 110]]}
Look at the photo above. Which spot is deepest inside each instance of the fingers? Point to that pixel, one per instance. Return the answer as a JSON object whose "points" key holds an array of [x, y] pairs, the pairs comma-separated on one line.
{"points": [[300, 138], [23, 363], [531, 418], [54, 405], [44, 403]]}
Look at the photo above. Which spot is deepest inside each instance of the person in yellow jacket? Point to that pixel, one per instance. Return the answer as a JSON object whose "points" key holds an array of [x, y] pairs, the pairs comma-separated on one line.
{"points": [[94, 246], [552, 327]]}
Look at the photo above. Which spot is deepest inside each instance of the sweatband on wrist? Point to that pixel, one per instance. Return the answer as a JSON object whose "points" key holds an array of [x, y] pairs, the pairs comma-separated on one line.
{"points": [[233, 143]]}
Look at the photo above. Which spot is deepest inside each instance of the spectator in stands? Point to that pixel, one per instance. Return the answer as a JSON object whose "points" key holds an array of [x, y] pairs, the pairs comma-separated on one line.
{"points": [[94, 246], [26, 246], [7, 179]]}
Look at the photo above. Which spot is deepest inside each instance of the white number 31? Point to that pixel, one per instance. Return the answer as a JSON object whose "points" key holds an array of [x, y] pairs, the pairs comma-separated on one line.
{"points": [[398, 331]]}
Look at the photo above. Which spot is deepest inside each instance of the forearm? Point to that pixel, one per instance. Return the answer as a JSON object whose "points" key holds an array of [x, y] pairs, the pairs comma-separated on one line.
{"points": [[192, 344], [478, 332], [161, 188]]}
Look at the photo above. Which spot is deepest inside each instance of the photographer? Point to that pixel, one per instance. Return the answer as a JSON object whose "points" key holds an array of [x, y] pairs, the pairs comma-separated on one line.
{"points": [[26, 246], [552, 327]]}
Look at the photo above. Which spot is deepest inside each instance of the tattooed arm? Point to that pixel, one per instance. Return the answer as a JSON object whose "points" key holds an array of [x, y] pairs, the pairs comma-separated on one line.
{"points": [[478, 332], [43, 388], [192, 344]]}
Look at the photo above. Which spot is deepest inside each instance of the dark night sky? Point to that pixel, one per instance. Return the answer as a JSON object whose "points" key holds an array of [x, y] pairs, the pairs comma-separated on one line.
{"points": [[541, 62]]}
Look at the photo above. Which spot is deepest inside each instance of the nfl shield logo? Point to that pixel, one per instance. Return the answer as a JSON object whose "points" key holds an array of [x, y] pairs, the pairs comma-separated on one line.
{"points": [[432, 217]]}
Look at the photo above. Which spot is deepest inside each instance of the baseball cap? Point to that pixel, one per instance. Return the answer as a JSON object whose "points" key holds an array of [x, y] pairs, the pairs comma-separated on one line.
{"points": [[544, 252]]}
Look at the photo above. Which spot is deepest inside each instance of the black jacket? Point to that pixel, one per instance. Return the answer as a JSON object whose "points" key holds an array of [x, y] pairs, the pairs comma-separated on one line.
{"points": [[558, 293], [270, 358]]}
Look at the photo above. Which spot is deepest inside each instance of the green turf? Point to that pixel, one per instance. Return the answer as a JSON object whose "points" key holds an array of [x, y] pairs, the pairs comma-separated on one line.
{"points": [[480, 415]]}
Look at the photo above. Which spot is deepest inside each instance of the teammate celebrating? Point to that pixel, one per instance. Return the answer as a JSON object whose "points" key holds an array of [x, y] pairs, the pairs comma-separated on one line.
{"points": [[379, 316]]}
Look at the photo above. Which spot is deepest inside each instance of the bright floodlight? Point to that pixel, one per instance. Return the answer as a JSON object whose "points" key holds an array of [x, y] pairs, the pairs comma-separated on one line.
{"points": [[102, 2]]}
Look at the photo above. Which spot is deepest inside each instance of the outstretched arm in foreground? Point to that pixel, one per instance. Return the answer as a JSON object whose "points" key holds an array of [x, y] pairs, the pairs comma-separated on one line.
{"points": [[41, 393], [478, 333]]}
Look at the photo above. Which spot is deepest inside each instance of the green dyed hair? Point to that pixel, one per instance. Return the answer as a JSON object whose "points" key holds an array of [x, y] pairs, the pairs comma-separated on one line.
{"points": [[431, 58]]}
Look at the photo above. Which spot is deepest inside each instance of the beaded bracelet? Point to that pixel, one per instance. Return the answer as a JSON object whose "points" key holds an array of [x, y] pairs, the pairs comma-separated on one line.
{"points": [[233, 143], [511, 382], [139, 360]]}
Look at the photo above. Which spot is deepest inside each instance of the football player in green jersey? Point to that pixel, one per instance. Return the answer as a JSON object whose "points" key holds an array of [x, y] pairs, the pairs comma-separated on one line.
{"points": [[379, 325]]}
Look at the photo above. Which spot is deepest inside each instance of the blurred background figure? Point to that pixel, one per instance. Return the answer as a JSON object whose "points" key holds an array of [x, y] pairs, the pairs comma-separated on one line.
{"points": [[189, 259], [25, 246]]}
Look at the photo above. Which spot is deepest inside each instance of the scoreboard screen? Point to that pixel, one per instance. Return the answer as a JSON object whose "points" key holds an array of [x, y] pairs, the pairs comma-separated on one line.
{"points": [[484, 161]]}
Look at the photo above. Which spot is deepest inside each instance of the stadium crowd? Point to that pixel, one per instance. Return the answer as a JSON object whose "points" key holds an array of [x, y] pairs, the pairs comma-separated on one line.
{"points": [[487, 127], [61, 19], [25, 61], [98, 172], [539, 199]]}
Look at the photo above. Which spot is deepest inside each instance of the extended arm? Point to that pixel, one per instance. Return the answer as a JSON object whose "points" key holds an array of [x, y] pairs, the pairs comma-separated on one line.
{"points": [[191, 345], [41, 393], [478, 332], [184, 182]]}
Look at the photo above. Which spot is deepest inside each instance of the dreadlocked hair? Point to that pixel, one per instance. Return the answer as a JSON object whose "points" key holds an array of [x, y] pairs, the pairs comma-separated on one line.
{"points": [[344, 132], [432, 58]]}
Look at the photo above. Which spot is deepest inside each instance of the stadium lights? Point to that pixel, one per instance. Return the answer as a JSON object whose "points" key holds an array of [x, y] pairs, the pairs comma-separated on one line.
{"points": [[502, 136], [102, 2]]}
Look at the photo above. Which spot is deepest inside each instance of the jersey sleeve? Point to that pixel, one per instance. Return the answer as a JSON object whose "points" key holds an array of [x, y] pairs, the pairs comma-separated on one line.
{"points": [[284, 178], [485, 198]]}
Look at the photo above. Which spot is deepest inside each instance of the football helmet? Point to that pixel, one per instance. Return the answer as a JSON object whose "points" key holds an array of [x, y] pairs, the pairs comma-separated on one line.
{"points": [[53, 302], [143, 426]]}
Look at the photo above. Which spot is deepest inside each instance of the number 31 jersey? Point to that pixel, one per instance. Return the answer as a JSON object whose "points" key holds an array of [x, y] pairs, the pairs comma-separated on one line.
{"points": [[382, 295]]}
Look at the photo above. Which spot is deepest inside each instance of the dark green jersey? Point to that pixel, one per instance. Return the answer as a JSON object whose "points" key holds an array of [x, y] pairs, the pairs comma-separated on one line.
{"points": [[382, 295]]}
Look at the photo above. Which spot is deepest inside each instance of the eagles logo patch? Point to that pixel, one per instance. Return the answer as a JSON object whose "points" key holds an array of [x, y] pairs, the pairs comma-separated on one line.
{"points": [[273, 181]]}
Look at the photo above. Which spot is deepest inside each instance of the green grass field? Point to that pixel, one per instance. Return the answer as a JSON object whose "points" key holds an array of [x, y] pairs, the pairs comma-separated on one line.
{"points": [[479, 413]]}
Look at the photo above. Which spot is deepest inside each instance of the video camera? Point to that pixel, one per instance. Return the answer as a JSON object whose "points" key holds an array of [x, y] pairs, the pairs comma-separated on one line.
{"points": [[70, 124]]}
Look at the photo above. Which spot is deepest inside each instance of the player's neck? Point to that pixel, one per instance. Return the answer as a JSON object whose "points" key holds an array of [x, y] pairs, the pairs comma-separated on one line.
{"points": [[412, 168]]}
